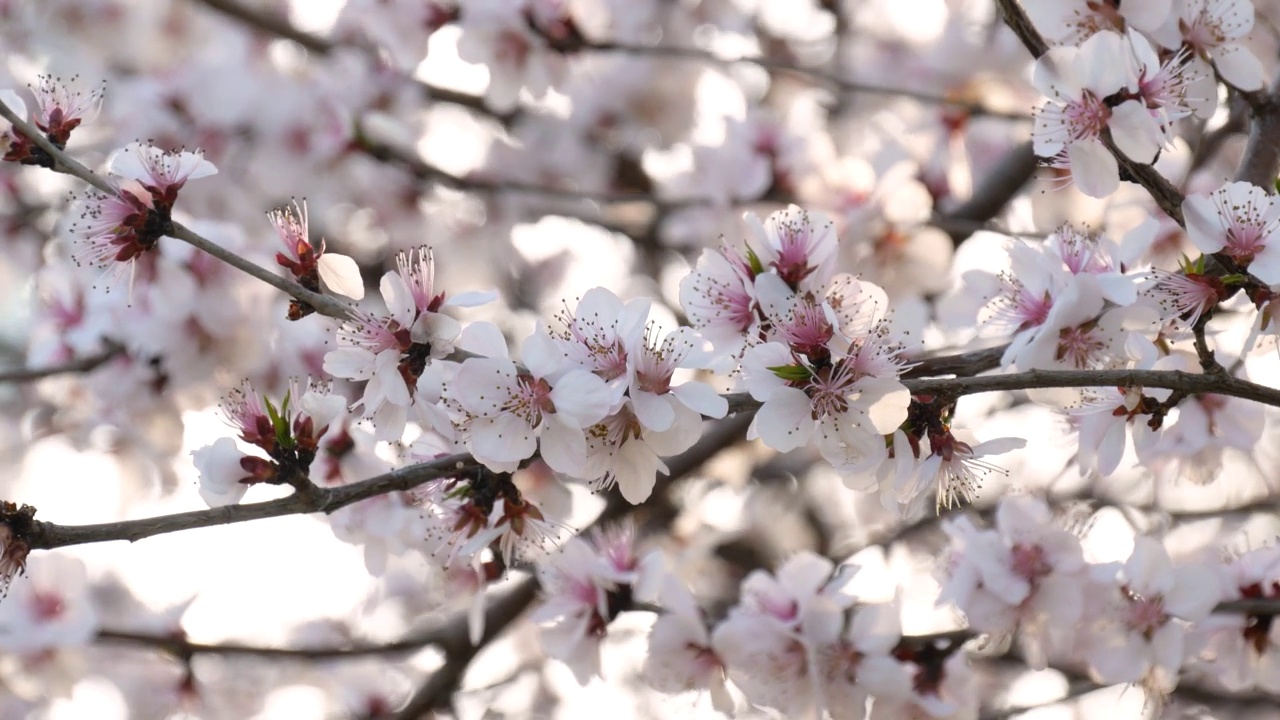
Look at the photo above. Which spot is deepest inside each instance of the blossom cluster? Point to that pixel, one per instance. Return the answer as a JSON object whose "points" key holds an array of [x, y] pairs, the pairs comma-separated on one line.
{"points": [[804, 258]]}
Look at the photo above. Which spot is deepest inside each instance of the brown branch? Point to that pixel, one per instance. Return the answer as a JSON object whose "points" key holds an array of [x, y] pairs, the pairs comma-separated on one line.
{"points": [[1261, 161], [80, 365], [46, 535], [270, 23], [1166, 196], [1006, 178]]}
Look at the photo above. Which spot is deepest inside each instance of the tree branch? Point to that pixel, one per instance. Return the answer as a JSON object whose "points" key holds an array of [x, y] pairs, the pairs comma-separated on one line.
{"points": [[1166, 196], [80, 365], [1261, 161]]}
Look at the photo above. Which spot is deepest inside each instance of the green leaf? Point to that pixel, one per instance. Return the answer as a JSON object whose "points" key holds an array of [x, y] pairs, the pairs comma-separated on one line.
{"points": [[279, 422], [753, 260], [791, 373]]}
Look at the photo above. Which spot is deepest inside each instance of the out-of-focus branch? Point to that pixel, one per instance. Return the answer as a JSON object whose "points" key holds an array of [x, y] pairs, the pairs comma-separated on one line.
{"points": [[1261, 161], [79, 365], [1006, 178], [274, 24], [1166, 196], [270, 23], [438, 690], [834, 81], [67, 165]]}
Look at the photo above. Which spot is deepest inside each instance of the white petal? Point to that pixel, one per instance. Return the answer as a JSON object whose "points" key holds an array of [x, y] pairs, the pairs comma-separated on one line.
{"points": [[500, 441], [702, 398], [398, 298], [352, 363], [1134, 131], [472, 298], [1239, 66], [564, 447], [341, 274], [1197, 588], [653, 411], [1093, 168], [581, 397], [637, 471], [785, 422], [1204, 224]]}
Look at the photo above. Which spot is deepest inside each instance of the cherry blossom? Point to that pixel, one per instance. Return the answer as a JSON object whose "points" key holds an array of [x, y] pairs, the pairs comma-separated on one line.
{"points": [[1239, 221], [1138, 632], [1025, 575]]}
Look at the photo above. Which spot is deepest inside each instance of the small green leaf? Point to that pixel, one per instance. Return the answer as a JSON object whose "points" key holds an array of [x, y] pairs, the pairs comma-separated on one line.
{"points": [[279, 422], [753, 260], [791, 373]]}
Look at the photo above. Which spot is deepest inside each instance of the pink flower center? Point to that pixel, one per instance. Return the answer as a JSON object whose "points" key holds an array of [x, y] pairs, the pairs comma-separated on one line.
{"points": [[1086, 118], [1078, 345], [1144, 615], [1029, 562], [47, 607]]}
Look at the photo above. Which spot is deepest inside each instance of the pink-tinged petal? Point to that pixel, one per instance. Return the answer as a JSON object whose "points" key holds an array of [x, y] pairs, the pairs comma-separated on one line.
{"points": [[387, 374], [653, 411], [352, 363], [399, 299], [218, 466], [1168, 650], [1204, 224], [762, 382], [637, 471], [1135, 132], [805, 573], [1266, 264], [501, 442], [436, 329], [564, 447], [681, 436], [484, 385], [1196, 590], [128, 162], [543, 355], [1111, 450], [1146, 15], [1149, 570], [877, 628], [1093, 168], [1239, 66], [471, 298], [341, 274], [581, 398], [785, 422], [483, 338], [192, 166], [1102, 63], [389, 422], [1119, 659], [889, 402], [703, 398], [1053, 76]]}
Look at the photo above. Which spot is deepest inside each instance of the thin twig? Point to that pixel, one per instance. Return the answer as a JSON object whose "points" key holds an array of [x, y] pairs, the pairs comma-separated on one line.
{"points": [[79, 365]]}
